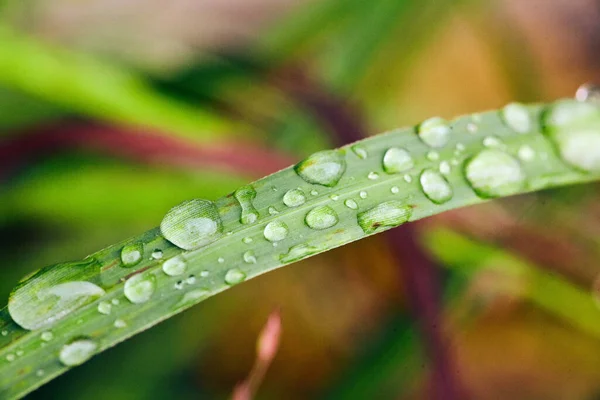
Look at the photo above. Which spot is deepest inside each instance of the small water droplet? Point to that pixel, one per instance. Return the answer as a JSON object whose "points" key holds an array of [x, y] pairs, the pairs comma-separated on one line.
{"points": [[104, 307], [294, 198], [140, 287], [249, 257], [275, 231], [360, 152], [588, 92], [323, 168], [407, 178], [220, 260], [460, 147], [247, 240], [178, 285], [119, 323], [526, 153], [245, 195], [434, 132], [363, 194], [298, 252], [517, 117], [115, 302], [174, 266], [373, 176], [10, 357], [47, 336], [20, 353], [192, 224], [39, 372], [385, 215], [157, 254], [192, 296], [322, 217], [396, 160], [204, 274], [493, 173], [314, 193], [131, 254], [445, 168], [77, 352], [273, 211], [234, 276], [472, 128], [435, 186], [574, 128], [4, 332], [351, 204], [433, 156], [395, 190], [334, 197], [492, 142], [190, 280]]}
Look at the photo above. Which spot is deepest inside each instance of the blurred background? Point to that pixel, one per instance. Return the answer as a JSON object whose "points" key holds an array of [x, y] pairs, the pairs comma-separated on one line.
{"points": [[111, 112]]}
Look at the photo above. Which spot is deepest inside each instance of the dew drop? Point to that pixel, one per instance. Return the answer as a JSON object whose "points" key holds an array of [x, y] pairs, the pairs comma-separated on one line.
{"points": [[445, 167], [178, 285], [140, 287], [588, 92], [192, 224], [334, 197], [360, 152], [526, 153], [157, 254], [363, 194], [396, 160], [433, 156], [517, 117], [314, 193], [492, 142], [115, 302], [472, 128], [407, 178], [493, 173], [104, 307], [351, 204], [299, 252], [174, 266], [247, 240], [10, 357], [435, 186], [47, 336], [322, 217], [193, 296], [373, 176], [574, 128], [385, 215], [249, 257], [234, 276], [323, 168], [190, 280], [245, 195], [204, 274], [119, 323], [395, 190], [294, 198], [275, 231], [273, 211], [77, 352], [434, 132], [131, 254], [39, 372]]}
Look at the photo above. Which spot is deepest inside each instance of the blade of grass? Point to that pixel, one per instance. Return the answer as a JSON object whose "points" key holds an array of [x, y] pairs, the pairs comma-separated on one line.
{"points": [[352, 201]]}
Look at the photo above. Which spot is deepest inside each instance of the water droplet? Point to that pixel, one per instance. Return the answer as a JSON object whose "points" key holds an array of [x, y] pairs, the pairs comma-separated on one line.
{"points": [[435, 186], [322, 217], [588, 92], [77, 352], [204, 274], [373, 176], [157, 254], [174, 266], [42, 299], [395, 190], [47, 336], [445, 167], [407, 178], [220, 260], [104, 307], [234, 276], [433, 156], [131, 254], [39, 372], [294, 198], [249, 257], [434, 132], [385, 215], [119, 323], [10, 357], [298, 252], [460, 148], [323, 168], [360, 152], [314, 193], [4, 332], [472, 128], [192, 224], [115, 302], [178, 285], [574, 127], [526, 153], [492, 142], [516, 116], [275, 231], [245, 195], [140, 287], [493, 173], [247, 240], [273, 211], [193, 296], [334, 197], [190, 280], [351, 204], [363, 194], [20, 353], [397, 160]]}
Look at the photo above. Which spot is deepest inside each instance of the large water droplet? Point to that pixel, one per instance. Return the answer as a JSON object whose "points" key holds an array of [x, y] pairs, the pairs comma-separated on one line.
{"points": [[52, 293], [77, 352], [234, 276], [323, 168], [140, 287], [298, 252], [385, 215], [275, 231], [322, 217], [493, 173], [434, 132], [294, 198], [574, 127], [245, 195], [131, 254], [517, 117], [396, 160], [192, 224], [174, 266], [435, 186]]}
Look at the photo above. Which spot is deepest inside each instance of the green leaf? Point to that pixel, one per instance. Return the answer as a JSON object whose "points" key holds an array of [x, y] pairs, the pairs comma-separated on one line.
{"points": [[329, 210]]}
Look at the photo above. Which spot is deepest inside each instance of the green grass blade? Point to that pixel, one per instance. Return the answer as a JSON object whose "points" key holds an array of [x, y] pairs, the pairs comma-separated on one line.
{"points": [[348, 194]]}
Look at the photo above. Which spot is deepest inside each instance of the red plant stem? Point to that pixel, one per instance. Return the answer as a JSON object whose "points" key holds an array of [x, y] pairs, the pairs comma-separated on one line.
{"points": [[420, 273], [144, 146]]}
